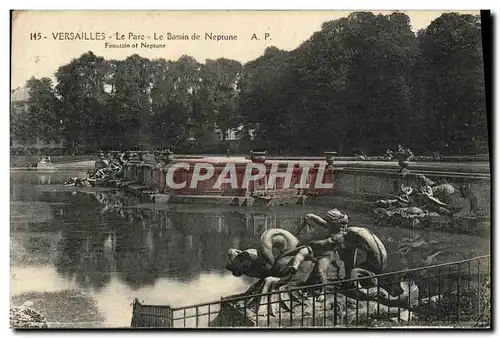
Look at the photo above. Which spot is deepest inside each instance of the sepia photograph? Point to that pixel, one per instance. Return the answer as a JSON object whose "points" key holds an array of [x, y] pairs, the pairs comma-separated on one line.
{"points": [[250, 169]]}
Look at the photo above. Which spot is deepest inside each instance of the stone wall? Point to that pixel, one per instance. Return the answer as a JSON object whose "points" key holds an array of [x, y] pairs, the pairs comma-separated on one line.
{"points": [[371, 184], [360, 181]]}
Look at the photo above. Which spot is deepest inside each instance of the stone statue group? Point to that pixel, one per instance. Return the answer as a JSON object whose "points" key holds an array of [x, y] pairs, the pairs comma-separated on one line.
{"points": [[350, 243], [427, 204], [283, 262], [108, 167]]}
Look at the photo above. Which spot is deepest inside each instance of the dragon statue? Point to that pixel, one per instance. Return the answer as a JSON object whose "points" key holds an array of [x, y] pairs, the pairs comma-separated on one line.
{"points": [[425, 204], [283, 262]]}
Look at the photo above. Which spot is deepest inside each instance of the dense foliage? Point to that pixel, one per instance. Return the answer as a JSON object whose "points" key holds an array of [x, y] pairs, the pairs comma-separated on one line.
{"points": [[365, 81]]}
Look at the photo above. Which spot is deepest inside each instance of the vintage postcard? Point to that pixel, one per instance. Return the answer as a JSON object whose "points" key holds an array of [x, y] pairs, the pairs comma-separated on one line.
{"points": [[264, 169]]}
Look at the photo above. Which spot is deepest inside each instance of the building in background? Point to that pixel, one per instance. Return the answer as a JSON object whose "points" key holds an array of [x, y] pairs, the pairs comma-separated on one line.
{"points": [[19, 111]]}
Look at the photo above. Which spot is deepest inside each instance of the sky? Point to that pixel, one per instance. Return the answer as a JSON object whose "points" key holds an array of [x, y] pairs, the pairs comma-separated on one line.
{"points": [[286, 29]]}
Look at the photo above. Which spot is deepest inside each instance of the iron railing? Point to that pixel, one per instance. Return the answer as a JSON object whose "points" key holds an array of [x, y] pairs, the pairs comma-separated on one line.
{"points": [[447, 295]]}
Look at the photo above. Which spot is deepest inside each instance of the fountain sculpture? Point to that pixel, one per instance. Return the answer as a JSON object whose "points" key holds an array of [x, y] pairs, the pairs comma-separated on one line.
{"points": [[427, 204], [283, 263]]}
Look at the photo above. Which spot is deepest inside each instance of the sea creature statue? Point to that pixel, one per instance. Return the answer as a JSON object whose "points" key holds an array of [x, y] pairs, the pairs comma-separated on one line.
{"points": [[342, 307], [423, 204], [357, 247], [283, 261], [107, 168], [299, 264], [348, 242], [274, 242], [459, 201], [261, 263]]}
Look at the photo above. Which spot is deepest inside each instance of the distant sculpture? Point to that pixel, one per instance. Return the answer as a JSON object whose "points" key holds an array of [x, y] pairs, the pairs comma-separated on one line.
{"points": [[108, 171], [422, 195], [361, 155], [258, 156], [404, 157], [163, 158], [122, 159], [411, 157], [424, 203], [389, 154], [437, 155], [330, 158], [101, 162], [105, 168]]}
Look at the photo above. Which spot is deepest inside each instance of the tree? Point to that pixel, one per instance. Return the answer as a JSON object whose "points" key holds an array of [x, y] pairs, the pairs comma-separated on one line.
{"points": [[218, 94], [263, 99], [347, 86], [84, 100], [378, 93], [363, 81], [38, 118], [132, 84], [174, 105], [20, 124], [43, 109], [450, 84], [317, 108]]}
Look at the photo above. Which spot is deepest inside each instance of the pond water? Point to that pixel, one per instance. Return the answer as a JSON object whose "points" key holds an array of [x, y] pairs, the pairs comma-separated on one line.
{"points": [[83, 256]]}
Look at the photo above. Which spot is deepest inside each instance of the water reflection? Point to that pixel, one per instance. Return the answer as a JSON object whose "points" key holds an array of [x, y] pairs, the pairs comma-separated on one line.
{"points": [[44, 179], [144, 244], [23, 184]]}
